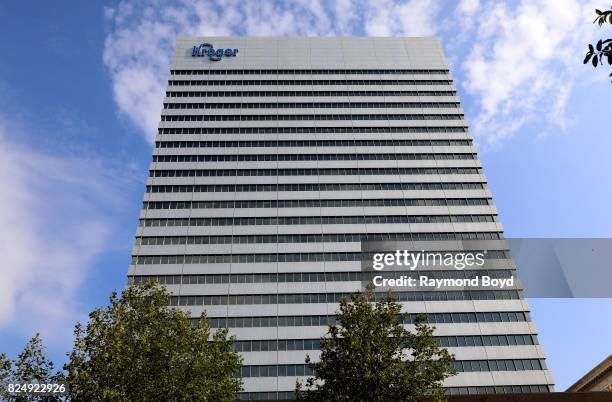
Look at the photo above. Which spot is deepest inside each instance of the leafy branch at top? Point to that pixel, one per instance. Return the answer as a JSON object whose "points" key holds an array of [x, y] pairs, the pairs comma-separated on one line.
{"points": [[603, 17], [602, 51]]}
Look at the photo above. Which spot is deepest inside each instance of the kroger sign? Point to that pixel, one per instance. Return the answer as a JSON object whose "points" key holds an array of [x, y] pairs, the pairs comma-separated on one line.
{"points": [[207, 49]]}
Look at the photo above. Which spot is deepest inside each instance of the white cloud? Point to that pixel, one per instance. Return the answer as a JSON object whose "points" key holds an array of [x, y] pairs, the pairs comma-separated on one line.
{"points": [[522, 62], [411, 18], [347, 14], [54, 221], [468, 7], [466, 10]]}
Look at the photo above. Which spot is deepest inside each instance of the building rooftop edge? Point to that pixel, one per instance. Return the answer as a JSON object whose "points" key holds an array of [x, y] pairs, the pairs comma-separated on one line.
{"points": [[604, 366]]}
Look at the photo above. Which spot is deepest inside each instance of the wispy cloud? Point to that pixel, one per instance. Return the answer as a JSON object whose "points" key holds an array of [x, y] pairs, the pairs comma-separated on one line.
{"points": [[522, 62], [399, 18], [517, 61], [55, 221]]}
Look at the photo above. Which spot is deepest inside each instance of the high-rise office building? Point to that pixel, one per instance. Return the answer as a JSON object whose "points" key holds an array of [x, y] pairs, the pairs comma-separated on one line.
{"points": [[277, 157]]}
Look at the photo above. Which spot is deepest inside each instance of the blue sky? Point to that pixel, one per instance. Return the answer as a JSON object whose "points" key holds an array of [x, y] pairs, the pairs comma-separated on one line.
{"points": [[80, 96]]}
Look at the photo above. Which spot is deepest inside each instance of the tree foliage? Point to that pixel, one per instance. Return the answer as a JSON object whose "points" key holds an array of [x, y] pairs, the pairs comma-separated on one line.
{"points": [[138, 348], [602, 51], [31, 366], [368, 355]]}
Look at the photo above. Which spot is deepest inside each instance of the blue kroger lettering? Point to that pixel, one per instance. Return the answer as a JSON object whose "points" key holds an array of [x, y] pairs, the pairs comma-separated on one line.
{"points": [[207, 49]]}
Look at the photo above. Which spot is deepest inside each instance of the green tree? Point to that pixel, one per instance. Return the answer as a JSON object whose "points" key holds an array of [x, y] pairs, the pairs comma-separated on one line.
{"points": [[138, 348], [5, 375], [368, 355], [602, 51], [31, 366]]}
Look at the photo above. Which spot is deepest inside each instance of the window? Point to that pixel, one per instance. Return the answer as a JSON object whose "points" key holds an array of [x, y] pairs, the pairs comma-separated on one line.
{"points": [[307, 130]]}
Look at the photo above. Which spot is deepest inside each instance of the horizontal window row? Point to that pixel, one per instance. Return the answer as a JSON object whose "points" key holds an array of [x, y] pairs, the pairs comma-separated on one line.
{"points": [[292, 370], [308, 130], [268, 258], [316, 220], [497, 389], [499, 365], [266, 396], [325, 320], [316, 203], [468, 390], [486, 340], [258, 94], [313, 105], [277, 345], [314, 238], [312, 143], [444, 341], [280, 370], [304, 298], [310, 172], [239, 188], [306, 71], [312, 157], [223, 83], [471, 390], [292, 277], [299, 117]]}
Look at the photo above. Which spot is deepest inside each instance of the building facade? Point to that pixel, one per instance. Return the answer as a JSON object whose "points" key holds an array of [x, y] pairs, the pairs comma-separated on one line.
{"points": [[276, 158]]}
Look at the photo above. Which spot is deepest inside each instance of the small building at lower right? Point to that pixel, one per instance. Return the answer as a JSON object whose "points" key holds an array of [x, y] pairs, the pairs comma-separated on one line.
{"points": [[598, 379]]}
